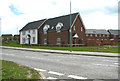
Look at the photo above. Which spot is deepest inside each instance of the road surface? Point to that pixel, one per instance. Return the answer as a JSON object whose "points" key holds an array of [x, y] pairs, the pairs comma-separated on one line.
{"points": [[65, 66]]}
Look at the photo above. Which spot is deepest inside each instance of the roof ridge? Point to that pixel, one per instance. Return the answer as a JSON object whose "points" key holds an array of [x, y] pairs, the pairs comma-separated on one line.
{"points": [[63, 15]]}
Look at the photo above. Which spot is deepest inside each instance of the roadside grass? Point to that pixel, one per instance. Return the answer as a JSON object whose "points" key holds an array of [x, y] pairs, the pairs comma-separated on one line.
{"points": [[107, 49], [11, 70]]}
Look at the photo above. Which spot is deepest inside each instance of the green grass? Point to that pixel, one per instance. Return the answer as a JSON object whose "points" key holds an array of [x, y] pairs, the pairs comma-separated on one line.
{"points": [[11, 70], [107, 49]]}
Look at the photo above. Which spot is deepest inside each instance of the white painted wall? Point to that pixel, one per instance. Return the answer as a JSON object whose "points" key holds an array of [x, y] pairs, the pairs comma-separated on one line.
{"points": [[31, 34]]}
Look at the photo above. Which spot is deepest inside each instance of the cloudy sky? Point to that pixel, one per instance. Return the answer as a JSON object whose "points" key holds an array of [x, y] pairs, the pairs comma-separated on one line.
{"points": [[96, 14]]}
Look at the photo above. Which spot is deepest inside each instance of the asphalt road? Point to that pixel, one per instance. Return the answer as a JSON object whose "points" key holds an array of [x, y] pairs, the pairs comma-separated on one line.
{"points": [[64, 66]]}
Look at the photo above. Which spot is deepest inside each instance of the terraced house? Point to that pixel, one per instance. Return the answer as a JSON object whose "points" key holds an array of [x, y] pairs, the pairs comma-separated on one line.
{"points": [[54, 31], [97, 37]]}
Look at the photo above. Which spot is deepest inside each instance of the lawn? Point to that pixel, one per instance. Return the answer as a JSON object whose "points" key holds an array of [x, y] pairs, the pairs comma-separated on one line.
{"points": [[11, 70], [107, 49]]}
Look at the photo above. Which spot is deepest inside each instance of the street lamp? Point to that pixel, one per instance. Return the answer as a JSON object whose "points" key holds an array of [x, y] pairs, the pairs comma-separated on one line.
{"points": [[70, 30]]}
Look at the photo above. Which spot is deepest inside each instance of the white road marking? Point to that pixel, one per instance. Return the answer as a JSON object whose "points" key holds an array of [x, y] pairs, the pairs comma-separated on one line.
{"points": [[76, 77], [116, 63], [98, 64], [39, 69], [12, 54], [51, 78], [105, 65], [55, 73], [111, 60]]}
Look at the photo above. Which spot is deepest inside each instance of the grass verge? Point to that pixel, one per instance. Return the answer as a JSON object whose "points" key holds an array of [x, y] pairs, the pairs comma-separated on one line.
{"points": [[106, 49], [11, 70]]}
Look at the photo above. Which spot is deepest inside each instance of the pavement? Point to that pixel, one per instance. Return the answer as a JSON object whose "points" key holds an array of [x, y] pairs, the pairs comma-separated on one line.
{"points": [[65, 52]]}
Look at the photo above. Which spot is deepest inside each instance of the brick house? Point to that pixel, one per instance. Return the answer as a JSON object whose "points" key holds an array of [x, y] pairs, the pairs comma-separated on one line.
{"points": [[17, 36], [7, 36], [114, 36], [97, 37], [55, 31]]}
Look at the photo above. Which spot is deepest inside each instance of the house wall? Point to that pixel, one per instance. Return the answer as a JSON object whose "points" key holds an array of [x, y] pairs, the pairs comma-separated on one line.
{"points": [[64, 35], [31, 34], [97, 41], [52, 37], [81, 34]]}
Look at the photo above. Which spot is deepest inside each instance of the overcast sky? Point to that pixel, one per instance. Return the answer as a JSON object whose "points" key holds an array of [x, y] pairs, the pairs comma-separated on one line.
{"points": [[96, 14]]}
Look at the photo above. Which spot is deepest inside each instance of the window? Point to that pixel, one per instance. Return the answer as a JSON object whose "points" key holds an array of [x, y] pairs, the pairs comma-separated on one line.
{"points": [[87, 35], [100, 35], [33, 39], [91, 35], [28, 31], [114, 35], [97, 39], [58, 29], [23, 40], [45, 41], [95, 35], [58, 40], [81, 29], [23, 33], [74, 28], [33, 31], [103, 35], [107, 35], [59, 26], [45, 29]]}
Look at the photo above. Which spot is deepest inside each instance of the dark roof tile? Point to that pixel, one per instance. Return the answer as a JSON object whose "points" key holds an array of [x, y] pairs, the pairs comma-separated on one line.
{"points": [[33, 25]]}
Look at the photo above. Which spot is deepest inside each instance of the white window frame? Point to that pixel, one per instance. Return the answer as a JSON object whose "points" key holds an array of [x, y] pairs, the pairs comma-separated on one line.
{"points": [[23, 40], [90, 35], [58, 40], [95, 35], [81, 28], [87, 35], [33, 31], [59, 26], [74, 28], [58, 29], [28, 31], [103, 35], [45, 29], [24, 32], [45, 41], [33, 39]]}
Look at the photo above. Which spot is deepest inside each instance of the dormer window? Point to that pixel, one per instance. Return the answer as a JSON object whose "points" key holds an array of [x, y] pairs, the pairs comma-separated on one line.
{"points": [[58, 27], [45, 29]]}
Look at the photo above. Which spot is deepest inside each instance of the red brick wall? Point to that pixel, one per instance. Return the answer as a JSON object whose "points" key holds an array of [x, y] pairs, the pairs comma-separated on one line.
{"points": [[64, 34], [52, 37], [97, 41], [78, 24]]}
